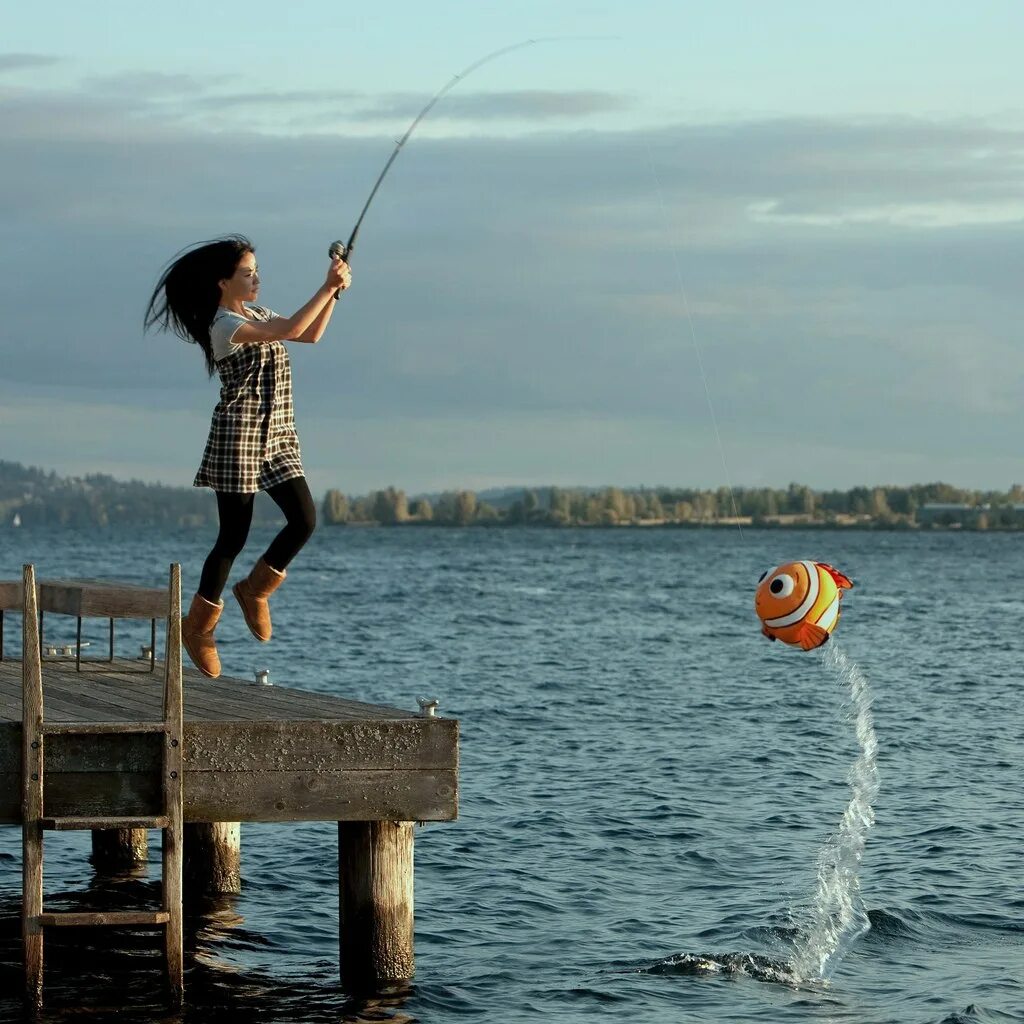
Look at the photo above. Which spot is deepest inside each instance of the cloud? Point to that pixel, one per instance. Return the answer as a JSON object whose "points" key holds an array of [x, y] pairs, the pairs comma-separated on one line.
{"points": [[146, 85], [290, 98], [853, 293], [911, 215], [26, 61], [307, 110], [525, 104]]}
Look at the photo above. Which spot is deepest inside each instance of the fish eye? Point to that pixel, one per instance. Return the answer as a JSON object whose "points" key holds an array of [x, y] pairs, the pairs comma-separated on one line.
{"points": [[782, 585]]}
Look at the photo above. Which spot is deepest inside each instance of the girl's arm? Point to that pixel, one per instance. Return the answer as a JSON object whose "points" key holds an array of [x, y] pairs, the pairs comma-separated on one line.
{"points": [[314, 332], [291, 328]]}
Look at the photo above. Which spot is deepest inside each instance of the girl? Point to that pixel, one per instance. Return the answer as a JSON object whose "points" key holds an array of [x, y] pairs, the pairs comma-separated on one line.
{"points": [[206, 296]]}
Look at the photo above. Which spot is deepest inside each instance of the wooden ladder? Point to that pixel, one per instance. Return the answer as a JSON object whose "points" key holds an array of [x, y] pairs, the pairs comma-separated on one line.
{"points": [[34, 820]]}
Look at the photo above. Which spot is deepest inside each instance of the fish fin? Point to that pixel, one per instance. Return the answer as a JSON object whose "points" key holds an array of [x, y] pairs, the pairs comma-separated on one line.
{"points": [[842, 580], [811, 636]]}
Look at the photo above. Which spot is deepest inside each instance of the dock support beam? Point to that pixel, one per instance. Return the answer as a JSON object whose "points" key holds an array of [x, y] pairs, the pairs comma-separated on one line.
{"points": [[119, 849], [375, 895], [213, 858]]}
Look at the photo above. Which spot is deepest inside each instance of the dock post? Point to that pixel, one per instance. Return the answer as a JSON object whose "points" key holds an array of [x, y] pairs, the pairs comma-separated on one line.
{"points": [[213, 858], [119, 849], [375, 897], [31, 794]]}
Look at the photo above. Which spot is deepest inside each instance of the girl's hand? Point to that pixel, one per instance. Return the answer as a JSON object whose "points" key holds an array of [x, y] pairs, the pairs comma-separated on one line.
{"points": [[339, 276]]}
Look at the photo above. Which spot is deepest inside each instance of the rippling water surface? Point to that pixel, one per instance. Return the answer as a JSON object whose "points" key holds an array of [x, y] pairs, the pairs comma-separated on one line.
{"points": [[646, 783]]}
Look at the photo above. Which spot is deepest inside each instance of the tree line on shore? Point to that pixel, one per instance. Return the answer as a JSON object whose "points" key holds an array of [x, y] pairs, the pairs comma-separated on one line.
{"points": [[29, 495], [937, 504], [32, 496]]}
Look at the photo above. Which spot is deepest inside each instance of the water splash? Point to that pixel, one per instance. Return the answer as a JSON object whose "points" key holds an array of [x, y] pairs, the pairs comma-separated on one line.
{"points": [[838, 917]]}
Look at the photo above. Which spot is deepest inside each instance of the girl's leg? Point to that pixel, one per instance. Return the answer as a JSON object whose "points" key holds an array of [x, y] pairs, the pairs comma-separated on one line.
{"points": [[295, 501], [204, 613], [235, 518]]}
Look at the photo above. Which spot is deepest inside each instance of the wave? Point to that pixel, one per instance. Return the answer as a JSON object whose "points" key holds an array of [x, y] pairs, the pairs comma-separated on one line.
{"points": [[919, 925], [747, 965], [975, 1014]]}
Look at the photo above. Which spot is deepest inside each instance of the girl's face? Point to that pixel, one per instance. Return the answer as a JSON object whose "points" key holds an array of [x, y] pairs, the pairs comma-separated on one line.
{"points": [[244, 284]]}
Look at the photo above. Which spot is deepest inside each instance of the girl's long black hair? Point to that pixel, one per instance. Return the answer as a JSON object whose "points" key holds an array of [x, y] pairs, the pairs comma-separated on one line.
{"points": [[186, 297]]}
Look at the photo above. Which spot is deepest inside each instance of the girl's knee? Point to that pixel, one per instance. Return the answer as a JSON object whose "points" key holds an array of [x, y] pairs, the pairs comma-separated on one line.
{"points": [[304, 521], [306, 527], [229, 550]]}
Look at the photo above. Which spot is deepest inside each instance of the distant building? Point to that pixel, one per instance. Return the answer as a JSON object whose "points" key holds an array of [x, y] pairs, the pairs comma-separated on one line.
{"points": [[950, 513]]}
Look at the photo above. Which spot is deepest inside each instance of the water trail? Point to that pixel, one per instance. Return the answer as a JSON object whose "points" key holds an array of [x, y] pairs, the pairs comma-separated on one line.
{"points": [[838, 917]]}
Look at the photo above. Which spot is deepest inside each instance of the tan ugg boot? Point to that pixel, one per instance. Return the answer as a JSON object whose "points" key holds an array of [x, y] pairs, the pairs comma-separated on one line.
{"points": [[252, 594], [197, 635]]}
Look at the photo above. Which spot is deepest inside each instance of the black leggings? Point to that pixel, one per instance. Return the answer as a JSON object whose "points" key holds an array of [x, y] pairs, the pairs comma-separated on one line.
{"points": [[294, 500]]}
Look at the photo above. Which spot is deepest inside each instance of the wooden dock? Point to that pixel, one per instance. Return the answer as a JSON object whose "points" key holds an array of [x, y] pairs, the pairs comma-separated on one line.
{"points": [[250, 752]]}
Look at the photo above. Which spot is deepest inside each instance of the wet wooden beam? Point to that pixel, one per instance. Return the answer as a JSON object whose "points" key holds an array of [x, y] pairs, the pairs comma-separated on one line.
{"points": [[213, 858], [172, 851], [31, 789], [375, 899], [256, 796], [102, 598], [119, 849]]}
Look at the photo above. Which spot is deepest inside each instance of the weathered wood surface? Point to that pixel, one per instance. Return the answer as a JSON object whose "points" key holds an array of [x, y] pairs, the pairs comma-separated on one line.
{"points": [[109, 918], [10, 595], [102, 598], [172, 848], [120, 849], [30, 688], [98, 728], [250, 753], [375, 902], [83, 824], [213, 858]]}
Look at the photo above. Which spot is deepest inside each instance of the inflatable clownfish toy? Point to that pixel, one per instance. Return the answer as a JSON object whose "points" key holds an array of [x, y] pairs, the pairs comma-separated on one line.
{"points": [[798, 602]]}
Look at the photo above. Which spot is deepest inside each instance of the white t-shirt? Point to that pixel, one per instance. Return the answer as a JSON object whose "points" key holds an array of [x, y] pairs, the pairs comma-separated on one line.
{"points": [[226, 323]]}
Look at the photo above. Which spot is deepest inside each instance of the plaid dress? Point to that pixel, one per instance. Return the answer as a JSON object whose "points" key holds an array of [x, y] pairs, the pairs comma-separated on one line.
{"points": [[252, 444]]}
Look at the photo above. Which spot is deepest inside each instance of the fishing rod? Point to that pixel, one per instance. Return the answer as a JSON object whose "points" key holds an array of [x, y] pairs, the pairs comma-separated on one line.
{"points": [[343, 250]]}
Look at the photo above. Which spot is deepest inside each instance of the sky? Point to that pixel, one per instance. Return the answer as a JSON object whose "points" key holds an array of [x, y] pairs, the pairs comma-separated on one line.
{"points": [[668, 244]]}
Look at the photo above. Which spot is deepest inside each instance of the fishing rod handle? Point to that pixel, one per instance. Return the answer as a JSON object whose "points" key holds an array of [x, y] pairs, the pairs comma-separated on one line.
{"points": [[339, 251]]}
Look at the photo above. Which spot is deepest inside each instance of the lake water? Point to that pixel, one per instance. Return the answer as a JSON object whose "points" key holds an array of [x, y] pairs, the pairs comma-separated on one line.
{"points": [[646, 782]]}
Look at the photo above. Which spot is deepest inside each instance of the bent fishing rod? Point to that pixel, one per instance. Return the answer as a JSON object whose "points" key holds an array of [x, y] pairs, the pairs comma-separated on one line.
{"points": [[343, 250]]}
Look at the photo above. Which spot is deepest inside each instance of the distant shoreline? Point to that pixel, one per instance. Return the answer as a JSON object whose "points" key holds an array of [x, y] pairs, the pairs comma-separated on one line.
{"points": [[746, 524], [31, 496]]}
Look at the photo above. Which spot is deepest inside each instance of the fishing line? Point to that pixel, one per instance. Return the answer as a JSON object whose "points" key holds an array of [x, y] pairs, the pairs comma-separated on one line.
{"points": [[693, 338]]}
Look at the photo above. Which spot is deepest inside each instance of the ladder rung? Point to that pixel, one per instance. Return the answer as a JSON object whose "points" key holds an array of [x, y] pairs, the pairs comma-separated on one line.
{"points": [[111, 918], [98, 728], [70, 824]]}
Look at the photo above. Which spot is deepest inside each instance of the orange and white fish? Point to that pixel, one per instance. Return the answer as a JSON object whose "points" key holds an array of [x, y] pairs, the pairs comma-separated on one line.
{"points": [[798, 602]]}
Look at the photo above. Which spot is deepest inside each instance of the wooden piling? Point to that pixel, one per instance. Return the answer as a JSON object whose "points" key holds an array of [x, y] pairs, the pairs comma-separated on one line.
{"points": [[32, 795], [375, 887], [172, 847], [119, 849], [213, 858]]}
